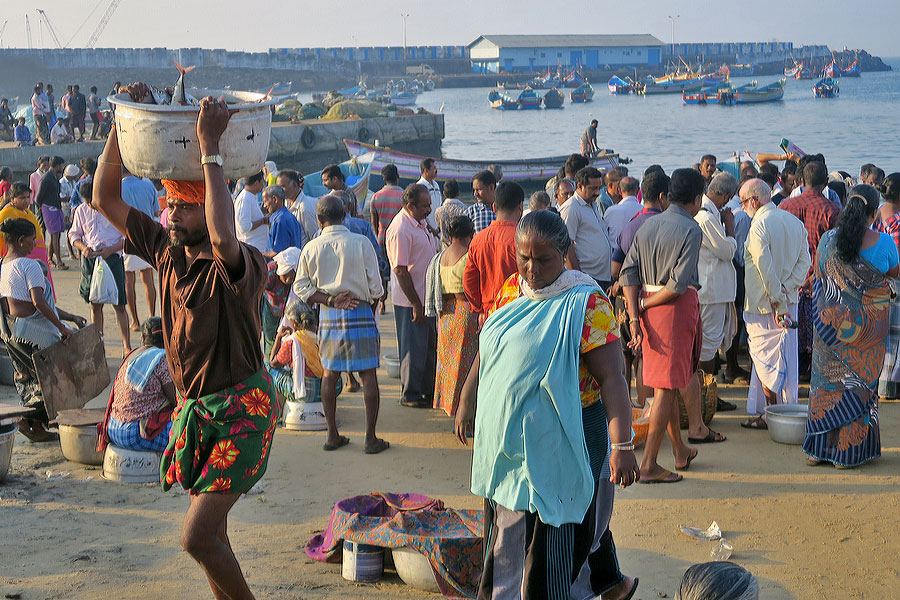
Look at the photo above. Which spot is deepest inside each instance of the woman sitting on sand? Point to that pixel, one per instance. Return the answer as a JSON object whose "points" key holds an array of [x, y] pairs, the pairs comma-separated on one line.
{"points": [[35, 322], [139, 412], [295, 365], [852, 299], [548, 376]]}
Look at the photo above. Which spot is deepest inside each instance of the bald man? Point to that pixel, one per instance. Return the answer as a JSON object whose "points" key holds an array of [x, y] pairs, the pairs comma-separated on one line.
{"points": [[776, 262]]}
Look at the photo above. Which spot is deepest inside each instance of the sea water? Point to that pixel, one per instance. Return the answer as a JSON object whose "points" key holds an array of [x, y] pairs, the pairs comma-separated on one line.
{"points": [[862, 125]]}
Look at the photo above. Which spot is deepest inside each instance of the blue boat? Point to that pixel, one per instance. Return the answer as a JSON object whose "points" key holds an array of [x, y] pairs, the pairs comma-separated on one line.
{"points": [[826, 88], [356, 174], [502, 101], [529, 99], [853, 70], [553, 98], [618, 86], [583, 93]]}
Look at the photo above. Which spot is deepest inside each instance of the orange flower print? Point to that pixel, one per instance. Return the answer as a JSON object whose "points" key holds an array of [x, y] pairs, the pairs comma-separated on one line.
{"points": [[180, 441], [256, 402], [170, 475], [223, 454], [221, 484]]}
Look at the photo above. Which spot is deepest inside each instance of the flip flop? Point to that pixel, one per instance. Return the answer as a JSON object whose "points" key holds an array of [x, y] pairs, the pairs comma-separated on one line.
{"points": [[342, 441], [633, 589], [381, 446], [711, 438], [670, 478], [755, 423], [687, 465]]}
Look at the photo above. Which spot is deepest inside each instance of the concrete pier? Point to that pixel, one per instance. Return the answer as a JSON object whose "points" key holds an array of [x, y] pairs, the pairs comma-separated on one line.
{"points": [[418, 134]]}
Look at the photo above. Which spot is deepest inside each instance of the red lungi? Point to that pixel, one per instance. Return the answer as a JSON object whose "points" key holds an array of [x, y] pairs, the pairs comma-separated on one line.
{"points": [[672, 341]]}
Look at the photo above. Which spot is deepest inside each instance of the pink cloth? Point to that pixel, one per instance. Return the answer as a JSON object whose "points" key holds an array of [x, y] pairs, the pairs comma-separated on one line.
{"points": [[92, 228], [410, 245], [34, 182]]}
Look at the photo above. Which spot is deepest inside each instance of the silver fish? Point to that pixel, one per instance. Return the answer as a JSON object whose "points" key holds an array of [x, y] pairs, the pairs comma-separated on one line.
{"points": [[179, 95], [159, 96]]}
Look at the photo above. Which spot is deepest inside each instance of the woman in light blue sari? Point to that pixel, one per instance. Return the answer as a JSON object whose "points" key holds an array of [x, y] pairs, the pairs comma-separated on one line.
{"points": [[548, 378]]}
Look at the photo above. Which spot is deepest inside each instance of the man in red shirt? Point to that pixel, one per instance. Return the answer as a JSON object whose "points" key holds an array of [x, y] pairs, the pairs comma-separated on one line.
{"points": [[819, 214], [492, 253]]}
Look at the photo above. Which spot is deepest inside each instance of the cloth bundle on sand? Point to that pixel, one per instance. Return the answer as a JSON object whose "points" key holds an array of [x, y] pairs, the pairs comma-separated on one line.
{"points": [[451, 539]]}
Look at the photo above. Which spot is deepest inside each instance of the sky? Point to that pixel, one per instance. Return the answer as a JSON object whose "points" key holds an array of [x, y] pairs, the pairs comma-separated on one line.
{"points": [[866, 24]]}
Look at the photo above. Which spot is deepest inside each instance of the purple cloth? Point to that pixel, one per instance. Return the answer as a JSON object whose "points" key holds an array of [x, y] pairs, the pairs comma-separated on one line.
{"points": [[451, 539], [53, 219]]}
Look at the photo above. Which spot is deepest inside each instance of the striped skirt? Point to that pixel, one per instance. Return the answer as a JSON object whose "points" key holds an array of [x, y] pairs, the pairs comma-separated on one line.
{"points": [[348, 339], [889, 383]]}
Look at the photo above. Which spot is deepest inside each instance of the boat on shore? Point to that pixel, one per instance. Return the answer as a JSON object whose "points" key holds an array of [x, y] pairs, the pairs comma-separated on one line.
{"points": [[826, 88], [583, 93], [553, 98], [501, 101], [529, 99], [618, 86], [530, 173]]}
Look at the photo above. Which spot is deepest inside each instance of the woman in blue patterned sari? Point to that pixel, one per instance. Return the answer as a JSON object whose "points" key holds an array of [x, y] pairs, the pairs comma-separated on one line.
{"points": [[852, 296]]}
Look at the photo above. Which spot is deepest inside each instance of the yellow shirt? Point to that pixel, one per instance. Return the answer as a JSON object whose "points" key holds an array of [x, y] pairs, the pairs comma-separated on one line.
{"points": [[452, 276], [11, 212]]}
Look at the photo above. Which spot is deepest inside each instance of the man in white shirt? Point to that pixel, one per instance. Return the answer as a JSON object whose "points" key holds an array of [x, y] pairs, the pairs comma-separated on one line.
{"points": [[299, 204], [718, 278], [250, 225], [617, 216], [591, 251], [59, 134], [339, 271], [429, 172]]}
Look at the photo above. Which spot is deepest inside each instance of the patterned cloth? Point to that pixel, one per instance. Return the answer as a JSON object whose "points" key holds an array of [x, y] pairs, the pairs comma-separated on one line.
{"points": [[133, 403], [386, 203], [276, 291], [457, 345], [889, 385], [128, 435], [220, 442], [482, 215], [452, 207], [348, 339], [851, 322], [283, 381], [451, 539]]}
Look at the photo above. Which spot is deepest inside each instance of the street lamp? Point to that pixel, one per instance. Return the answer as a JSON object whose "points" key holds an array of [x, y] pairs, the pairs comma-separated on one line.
{"points": [[404, 16], [673, 33]]}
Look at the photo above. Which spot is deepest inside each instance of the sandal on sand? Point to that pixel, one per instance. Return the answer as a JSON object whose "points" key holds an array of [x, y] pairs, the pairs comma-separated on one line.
{"points": [[711, 438], [342, 441], [755, 423], [669, 477], [687, 465], [633, 589], [380, 446]]}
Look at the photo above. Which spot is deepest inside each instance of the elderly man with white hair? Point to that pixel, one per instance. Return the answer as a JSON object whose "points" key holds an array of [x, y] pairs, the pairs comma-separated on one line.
{"points": [[339, 271], [776, 262], [718, 278]]}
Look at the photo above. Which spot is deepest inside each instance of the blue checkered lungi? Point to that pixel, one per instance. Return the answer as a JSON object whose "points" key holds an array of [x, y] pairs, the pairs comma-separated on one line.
{"points": [[348, 339], [128, 435]]}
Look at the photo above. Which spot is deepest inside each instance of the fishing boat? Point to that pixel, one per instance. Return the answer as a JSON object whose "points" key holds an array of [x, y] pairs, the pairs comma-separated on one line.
{"points": [[356, 174], [403, 98], [574, 80], [501, 101], [279, 89], [583, 93], [793, 71], [618, 86], [826, 88], [853, 70], [648, 86], [553, 98], [708, 94], [429, 85], [529, 99], [530, 173], [832, 71], [753, 94]]}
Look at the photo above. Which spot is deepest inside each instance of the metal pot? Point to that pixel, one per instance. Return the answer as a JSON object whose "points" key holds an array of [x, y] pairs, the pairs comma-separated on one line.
{"points": [[787, 423]]}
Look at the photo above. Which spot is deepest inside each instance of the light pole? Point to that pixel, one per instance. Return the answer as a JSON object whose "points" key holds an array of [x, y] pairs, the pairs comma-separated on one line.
{"points": [[404, 16], [673, 33]]}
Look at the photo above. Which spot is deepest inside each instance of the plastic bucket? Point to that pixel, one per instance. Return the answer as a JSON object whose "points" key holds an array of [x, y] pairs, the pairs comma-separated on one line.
{"points": [[392, 364], [160, 141], [304, 416], [362, 562], [7, 441], [414, 569], [79, 444], [130, 466]]}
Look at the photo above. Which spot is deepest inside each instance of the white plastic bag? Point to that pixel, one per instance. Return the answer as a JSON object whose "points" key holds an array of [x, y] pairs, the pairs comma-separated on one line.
{"points": [[103, 285]]}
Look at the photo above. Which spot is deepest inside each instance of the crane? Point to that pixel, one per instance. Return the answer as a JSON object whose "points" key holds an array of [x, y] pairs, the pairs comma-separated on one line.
{"points": [[28, 32], [52, 31], [104, 20], [2, 29]]}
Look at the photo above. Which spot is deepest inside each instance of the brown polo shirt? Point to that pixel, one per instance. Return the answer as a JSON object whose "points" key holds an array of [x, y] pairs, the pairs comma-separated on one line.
{"points": [[211, 321]]}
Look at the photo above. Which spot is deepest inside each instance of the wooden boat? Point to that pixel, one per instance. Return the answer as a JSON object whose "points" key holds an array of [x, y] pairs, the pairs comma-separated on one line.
{"points": [[529, 99], [709, 94], [356, 174], [501, 101], [618, 86], [553, 99], [574, 80], [583, 93], [753, 94], [404, 98], [805, 73], [832, 71], [826, 88], [531, 173], [852, 71], [649, 86], [793, 71]]}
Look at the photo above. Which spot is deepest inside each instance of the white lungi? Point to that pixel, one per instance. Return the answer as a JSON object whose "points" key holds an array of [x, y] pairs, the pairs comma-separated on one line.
{"points": [[773, 351], [135, 263], [719, 325]]}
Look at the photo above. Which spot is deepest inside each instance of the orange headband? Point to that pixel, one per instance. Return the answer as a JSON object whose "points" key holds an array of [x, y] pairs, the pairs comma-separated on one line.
{"points": [[192, 192]]}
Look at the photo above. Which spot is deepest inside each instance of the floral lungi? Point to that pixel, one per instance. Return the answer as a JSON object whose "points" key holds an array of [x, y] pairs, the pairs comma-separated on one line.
{"points": [[456, 348]]}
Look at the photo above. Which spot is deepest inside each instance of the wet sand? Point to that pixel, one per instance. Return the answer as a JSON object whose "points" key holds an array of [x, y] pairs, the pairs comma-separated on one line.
{"points": [[805, 532]]}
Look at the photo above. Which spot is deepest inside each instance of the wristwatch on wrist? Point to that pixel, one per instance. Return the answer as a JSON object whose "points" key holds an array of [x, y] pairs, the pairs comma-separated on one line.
{"points": [[210, 159]]}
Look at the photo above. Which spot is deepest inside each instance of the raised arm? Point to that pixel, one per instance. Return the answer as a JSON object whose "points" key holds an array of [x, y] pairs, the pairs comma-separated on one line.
{"points": [[108, 184], [214, 116]]}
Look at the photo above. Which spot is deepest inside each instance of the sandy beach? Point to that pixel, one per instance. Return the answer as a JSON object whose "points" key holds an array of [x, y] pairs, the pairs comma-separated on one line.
{"points": [[805, 532]]}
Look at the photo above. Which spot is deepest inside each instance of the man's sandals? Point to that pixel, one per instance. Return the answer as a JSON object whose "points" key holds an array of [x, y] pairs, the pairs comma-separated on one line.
{"points": [[755, 423], [711, 438]]}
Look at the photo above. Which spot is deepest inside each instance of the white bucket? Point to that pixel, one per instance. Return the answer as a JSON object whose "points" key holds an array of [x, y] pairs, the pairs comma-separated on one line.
{"points": [[392, 364], [7, 441], [415, 569], [160, 141], [304, 416], [130, 466], [79, 444]]}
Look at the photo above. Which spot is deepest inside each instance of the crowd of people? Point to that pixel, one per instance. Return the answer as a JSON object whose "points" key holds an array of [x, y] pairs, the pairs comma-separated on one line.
{"points": [[59, 122], [529, 325]]}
